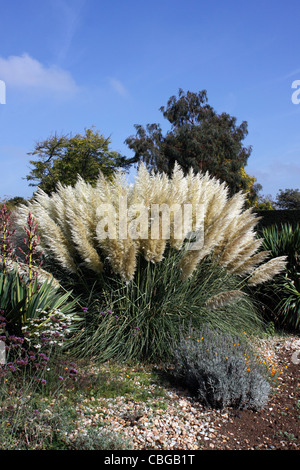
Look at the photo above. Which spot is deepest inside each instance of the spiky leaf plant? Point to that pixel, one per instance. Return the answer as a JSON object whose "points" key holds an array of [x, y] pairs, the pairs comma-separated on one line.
{"points": [[282, 294]]}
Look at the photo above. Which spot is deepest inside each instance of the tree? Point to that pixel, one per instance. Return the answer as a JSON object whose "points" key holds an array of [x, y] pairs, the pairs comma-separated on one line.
{"points": [[265, 203], [288, 199], [199, 139], [63, 158]]}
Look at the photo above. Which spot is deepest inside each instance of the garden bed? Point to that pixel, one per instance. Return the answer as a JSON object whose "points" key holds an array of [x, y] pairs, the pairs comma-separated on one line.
{"points": [[171, 419], [143, 410]]}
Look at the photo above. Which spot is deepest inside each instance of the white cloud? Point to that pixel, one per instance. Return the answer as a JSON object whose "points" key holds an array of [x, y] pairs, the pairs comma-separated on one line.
{"points": [[24, 72], [118, 87]]}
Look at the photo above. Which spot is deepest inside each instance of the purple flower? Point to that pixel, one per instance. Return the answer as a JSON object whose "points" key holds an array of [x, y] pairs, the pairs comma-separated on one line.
{"points": [[22, 362], [45, 340], [55, 320], [60, 377], [43, 382], [44, 357], [56, 334], [85, 309], [109, 311]]}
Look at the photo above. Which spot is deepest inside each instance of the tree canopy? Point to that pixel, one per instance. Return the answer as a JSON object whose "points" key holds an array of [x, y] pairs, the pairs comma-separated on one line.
{"points": [[288, 199], [63, 158], [199, 138]]}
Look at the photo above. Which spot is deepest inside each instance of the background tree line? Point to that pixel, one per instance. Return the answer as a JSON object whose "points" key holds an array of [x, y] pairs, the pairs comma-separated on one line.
{"points": [[199, 138]]}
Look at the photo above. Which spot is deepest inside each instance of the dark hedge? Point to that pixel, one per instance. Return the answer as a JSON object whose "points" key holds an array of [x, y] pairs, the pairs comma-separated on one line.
{"points": [[277, 217]]}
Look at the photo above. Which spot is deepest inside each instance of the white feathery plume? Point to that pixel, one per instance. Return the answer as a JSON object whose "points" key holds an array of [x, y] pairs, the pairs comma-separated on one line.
{"points": [[224, 298], [268, 270], [73, 224]]}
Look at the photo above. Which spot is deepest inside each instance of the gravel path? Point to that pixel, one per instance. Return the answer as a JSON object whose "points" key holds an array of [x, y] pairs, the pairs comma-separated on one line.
{"points": [[173, 422], [181, 424]]}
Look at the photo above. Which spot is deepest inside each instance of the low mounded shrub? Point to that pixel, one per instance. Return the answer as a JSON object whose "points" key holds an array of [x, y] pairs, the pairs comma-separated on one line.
{"points": [[96, 439], [221, 370]]}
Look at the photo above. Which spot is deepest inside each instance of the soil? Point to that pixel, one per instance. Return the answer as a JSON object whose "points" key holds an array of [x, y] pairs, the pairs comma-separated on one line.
{"points": [[277, 426]]}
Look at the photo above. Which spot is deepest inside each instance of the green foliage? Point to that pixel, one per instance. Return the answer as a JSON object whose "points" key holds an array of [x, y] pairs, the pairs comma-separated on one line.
{"points": [[29, 421], [32, 372], [19, 308], [199, 139], [282, 294], [284, 240], [288, 199], [141, 321], [221, 370], [277, 217], [100, 439], [23, 291], [62, 159], [12, 202]]}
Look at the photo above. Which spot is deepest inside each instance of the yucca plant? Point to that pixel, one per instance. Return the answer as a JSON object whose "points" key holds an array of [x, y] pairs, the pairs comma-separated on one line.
{"points": [[25, 288], [284, 240], [19, 307], [282, 295]]}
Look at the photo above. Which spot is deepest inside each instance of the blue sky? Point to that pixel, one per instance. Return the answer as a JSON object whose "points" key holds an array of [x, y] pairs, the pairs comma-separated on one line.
{"points": [[72, 64]]}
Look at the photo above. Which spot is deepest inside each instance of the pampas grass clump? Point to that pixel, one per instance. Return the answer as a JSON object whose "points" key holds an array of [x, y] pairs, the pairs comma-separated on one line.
{"points": [[80, 226]]}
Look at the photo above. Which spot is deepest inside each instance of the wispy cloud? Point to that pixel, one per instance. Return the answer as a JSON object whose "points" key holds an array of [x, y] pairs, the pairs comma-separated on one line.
{"points": [[69, 12], [26, 72], [118, 86]]}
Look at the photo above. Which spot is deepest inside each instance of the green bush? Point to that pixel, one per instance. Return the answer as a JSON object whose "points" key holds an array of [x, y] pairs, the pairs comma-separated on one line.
{"points": [[282, 294], [142, 320], [95, 439], [143, 268], [19, 307], [221, 370]]}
